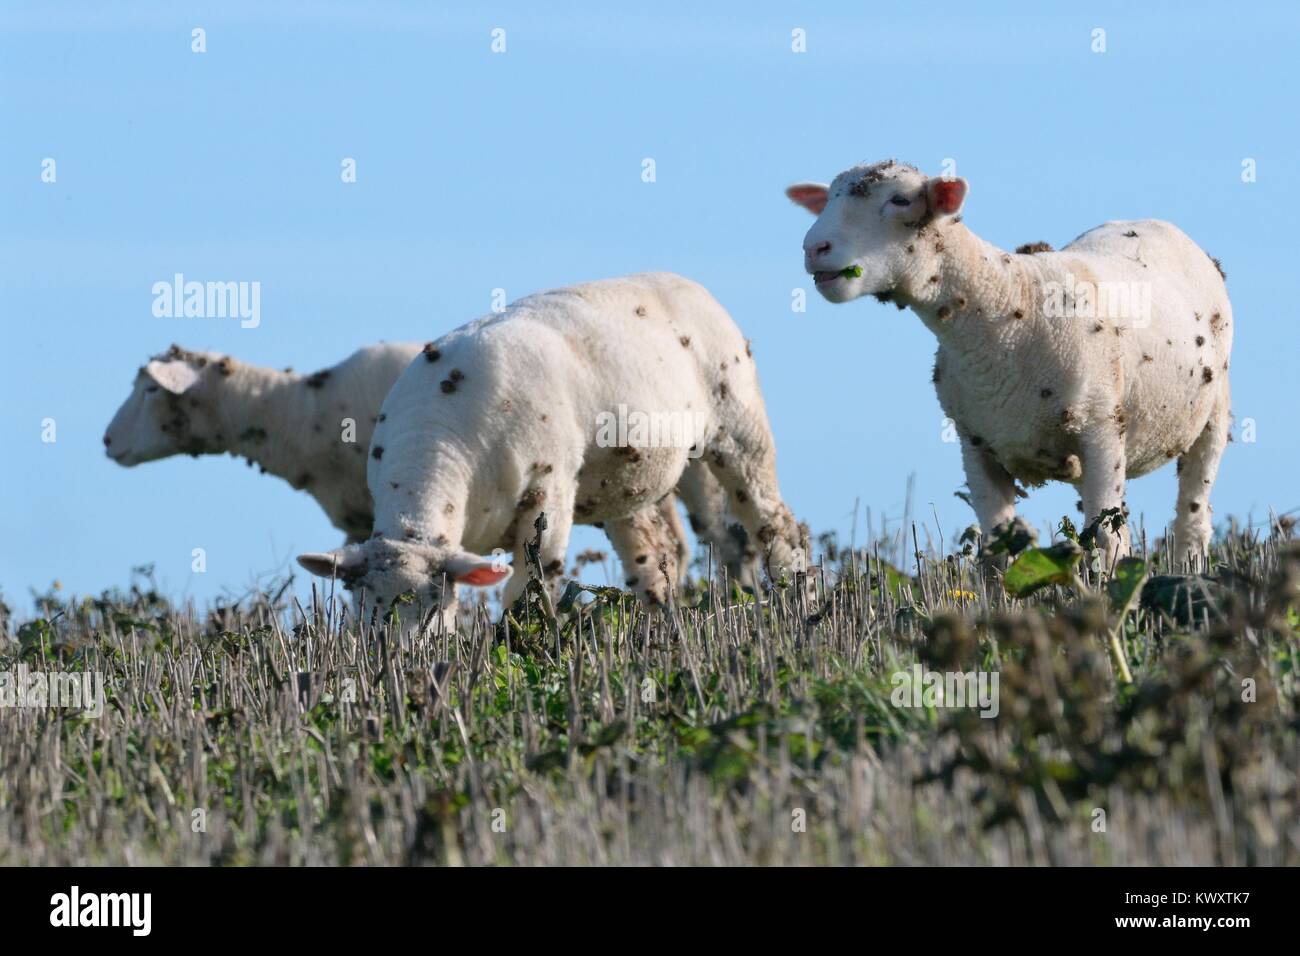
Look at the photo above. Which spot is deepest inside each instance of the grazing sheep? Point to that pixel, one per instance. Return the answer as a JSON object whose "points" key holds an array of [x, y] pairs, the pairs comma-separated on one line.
{"points": [[1091, 365], [297, 428], [505, 418]]}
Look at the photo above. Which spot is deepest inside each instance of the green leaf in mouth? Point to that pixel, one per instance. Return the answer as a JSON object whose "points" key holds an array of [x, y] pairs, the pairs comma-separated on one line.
{"points": [[851, 272]]}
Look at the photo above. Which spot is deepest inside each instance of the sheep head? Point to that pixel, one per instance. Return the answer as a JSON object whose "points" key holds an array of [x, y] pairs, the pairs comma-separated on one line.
{"points": [[868, 222], [388, 570], [167, 412]]}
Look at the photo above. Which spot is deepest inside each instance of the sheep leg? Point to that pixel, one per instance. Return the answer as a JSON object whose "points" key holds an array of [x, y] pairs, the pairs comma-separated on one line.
{"points": [[1101, 487], [647, 549], [1197, 469], [992, 490], [746, 469], [667, 508], [554, 545], [706, 505]]}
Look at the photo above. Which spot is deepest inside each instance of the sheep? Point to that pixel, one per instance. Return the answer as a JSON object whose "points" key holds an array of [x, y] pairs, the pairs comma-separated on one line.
{"points": [[507, 417], [1091, 365], [311, 430], [314, 432]]}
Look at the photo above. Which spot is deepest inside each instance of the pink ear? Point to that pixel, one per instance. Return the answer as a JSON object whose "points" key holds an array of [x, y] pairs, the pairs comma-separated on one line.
{"points": [[947, 195], [812, 196], [483, 576]]}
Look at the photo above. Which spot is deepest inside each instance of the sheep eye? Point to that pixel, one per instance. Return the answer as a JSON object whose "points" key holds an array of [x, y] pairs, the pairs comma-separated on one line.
{"points": [[900, 201], [151, 388]]}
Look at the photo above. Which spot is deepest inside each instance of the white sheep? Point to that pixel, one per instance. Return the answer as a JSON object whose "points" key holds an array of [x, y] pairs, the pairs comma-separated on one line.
{"points": [[1091, 365], [314, 432], [311, 430], [506, 418]]}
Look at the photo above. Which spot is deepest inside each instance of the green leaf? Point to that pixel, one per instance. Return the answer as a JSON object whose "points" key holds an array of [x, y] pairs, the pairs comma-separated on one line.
{"points": [[1185, 598], [1112, 519], [33, 632], [1126, 583], [571, 591], [1011, 537], [889, 579], [1067, 529], [546, 761], [1039, 567], [611, 734]]}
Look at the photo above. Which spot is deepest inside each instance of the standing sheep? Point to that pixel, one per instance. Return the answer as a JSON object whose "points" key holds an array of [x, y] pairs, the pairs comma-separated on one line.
{"points": [[314, 432], [508, 417], [311, 430], [1091, 365]]}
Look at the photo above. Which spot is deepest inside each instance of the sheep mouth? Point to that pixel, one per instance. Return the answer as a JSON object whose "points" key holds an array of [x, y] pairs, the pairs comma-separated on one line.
{"points": [[124, 457], [848, 272]]}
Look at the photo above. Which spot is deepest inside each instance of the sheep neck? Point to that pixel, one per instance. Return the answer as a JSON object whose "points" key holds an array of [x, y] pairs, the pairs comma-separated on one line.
{"points": [[263, 420], [965, 286], [427, 488]]}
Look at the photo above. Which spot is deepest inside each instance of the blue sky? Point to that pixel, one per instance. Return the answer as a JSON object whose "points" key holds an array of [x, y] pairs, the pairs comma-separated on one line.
{"points": [[522, 170]]}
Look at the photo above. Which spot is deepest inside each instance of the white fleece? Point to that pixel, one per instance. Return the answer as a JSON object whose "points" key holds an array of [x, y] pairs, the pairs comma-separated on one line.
{"points": [[1091, 365], [500, 419]]}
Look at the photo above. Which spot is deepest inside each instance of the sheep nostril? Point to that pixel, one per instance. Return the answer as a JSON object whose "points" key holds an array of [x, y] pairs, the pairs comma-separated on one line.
{"points": [[107, 441], [822, 248]]}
